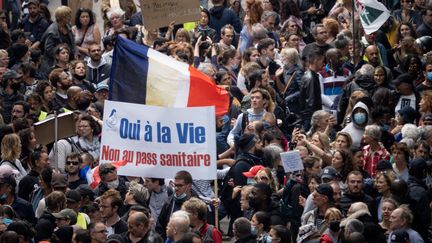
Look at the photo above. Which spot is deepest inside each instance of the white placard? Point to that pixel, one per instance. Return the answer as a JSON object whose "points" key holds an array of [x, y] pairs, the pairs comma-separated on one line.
{"points": [[159, 141], [292, 161]]}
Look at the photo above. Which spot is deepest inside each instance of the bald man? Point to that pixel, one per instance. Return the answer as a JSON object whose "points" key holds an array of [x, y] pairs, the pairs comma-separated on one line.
{"points": [[139, 229]]}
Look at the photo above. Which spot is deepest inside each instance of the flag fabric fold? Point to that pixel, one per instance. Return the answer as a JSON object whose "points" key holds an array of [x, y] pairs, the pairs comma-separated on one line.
{"points": [[373, 14], [142, 75]]}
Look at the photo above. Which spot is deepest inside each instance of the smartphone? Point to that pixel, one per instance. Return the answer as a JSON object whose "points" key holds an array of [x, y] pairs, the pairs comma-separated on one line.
{"points": [[298, 126], [204, 36]]}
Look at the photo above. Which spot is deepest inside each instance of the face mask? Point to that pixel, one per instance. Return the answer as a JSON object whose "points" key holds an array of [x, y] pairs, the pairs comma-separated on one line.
{"points": [[253, 230], [181, 196], [360, 118], [3, 198], [429, 76], [15, 86], [269, 239], [113, 184], [335, 226], [234, 66], [251, 181]]}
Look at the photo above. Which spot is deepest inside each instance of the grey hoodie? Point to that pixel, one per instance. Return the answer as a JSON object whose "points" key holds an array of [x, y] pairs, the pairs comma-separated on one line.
{"points": [[355, 130]]}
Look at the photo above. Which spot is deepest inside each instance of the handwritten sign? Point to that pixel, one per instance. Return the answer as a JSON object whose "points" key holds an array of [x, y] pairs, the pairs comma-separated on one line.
{"points": [[159, 141], [291, 161], [159, 13]]}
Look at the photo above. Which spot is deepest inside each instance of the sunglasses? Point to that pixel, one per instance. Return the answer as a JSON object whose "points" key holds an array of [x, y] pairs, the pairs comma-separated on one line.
{"points": [[72, 162]]}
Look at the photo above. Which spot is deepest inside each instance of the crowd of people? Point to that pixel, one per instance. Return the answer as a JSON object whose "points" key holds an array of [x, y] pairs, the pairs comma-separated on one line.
{"points": [[302, 75]]}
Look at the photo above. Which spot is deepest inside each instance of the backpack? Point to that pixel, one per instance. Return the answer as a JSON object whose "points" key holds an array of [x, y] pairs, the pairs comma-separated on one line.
{"points": [[76, 146], [226, 191], [208, 237], [286, 208]]}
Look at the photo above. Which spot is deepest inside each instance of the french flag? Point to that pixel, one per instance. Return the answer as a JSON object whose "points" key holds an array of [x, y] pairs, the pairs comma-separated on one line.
{"points": [[142, 75]]}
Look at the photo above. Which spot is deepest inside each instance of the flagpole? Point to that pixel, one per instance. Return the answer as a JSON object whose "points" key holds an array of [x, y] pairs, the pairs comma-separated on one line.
{"points": [[354, 33], [216, 189]]}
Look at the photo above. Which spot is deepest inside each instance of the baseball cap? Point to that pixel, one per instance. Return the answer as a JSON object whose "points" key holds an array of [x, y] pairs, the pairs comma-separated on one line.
{"points": [[253, 171], [329, 172], [58, 180], [115, 238], [102, 86], [246, 142], [73, 196], [326, 190], [85, 191], [404, 78], [399, 236], [9, 74], [66, 213]]}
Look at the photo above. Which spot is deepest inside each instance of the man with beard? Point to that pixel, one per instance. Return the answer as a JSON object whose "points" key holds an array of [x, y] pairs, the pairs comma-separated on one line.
{"points": [[34, 23], [332, 78], [20, 109], [221, 16], [73, 163], [355, 193], [98, 70], [10, 94], [260, 200], [109, 206], [61, 80]]}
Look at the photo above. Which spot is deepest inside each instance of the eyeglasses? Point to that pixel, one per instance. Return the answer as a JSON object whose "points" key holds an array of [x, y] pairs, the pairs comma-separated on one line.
{"points": [[70, 162]]}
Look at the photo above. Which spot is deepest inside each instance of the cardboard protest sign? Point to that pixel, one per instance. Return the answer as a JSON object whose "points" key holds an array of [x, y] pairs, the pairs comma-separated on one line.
{"points": [[159, 13], [159, 141], [45, 132], [291, 161]]}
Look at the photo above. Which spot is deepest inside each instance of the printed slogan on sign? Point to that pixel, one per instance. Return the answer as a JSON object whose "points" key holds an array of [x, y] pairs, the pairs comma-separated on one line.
{"points": [[159, 141]]}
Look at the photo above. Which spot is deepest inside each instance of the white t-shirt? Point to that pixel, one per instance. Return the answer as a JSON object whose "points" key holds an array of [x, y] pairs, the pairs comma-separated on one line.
{"points": [[406, 100]]}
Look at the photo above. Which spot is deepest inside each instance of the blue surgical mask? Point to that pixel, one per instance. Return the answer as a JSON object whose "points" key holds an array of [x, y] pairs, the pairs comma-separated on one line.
{"points": [[429, 76], [251, 181], [3, 197], [181, 196], [360, 118]]}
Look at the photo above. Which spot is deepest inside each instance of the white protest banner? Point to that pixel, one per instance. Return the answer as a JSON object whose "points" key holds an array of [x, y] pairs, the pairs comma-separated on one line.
{"points": [[159, 141], [291, 161]]}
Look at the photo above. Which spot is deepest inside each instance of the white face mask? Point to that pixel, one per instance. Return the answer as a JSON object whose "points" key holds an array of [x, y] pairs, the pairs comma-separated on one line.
{"points": [[113, 184]]}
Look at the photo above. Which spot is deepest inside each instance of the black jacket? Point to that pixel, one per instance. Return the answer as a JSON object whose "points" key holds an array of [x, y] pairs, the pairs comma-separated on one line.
{"points": [[310, 95], [150, 237], [248, 239], [27, 185], [419, 203], [45, 226], [170, 206], [348, 199]]}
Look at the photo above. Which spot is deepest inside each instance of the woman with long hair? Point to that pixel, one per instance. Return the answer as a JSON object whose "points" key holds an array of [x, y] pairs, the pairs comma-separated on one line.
{"points": [[28, 141], [342, 162], [10, 153], [45, 91], [85, 31]]}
